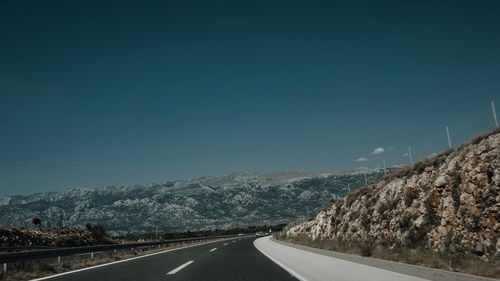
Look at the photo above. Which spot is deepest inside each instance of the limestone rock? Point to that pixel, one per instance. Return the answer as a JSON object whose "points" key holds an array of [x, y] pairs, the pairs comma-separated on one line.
{"points": [[441, 181], [458, 197]]}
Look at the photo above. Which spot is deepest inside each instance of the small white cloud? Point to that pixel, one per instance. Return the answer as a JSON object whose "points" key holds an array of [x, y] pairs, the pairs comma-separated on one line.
{"points": [[378, 151], [406, 155], [432, 155], [361, 159]]}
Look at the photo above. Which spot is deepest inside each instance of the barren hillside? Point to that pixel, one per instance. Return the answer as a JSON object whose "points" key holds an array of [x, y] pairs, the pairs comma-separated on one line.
{"points": [[448, 204]]}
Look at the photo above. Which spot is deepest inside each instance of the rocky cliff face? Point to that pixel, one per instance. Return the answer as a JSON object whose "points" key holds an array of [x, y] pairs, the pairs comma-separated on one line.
{"points": [[449, 203]]}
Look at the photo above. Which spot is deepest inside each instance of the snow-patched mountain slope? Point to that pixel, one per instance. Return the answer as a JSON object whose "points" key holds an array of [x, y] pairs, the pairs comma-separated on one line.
{"points": [[234, 200]]}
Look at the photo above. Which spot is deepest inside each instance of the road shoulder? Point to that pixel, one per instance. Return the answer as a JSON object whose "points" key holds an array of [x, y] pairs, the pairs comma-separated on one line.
{"points": [[402, 268]]}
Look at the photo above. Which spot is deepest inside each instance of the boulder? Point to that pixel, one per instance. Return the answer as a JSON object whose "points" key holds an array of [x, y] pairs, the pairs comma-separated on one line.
{"points": [[441, 181], [479, 249]]}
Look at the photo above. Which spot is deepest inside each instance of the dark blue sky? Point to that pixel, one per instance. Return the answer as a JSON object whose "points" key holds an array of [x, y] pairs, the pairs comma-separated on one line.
{"points": [[99, 92]]}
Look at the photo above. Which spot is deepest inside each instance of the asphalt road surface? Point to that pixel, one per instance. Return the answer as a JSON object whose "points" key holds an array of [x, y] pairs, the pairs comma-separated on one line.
{"points": [[231, 260]]}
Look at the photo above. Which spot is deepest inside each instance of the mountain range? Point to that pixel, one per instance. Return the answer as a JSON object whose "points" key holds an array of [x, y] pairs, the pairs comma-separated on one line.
{"points": [[218, 202]]}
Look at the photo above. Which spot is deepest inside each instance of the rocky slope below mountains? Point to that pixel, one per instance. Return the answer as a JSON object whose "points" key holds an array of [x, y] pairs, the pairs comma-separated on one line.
{"points": [[235, 200], [12, 237], [449, 204]]}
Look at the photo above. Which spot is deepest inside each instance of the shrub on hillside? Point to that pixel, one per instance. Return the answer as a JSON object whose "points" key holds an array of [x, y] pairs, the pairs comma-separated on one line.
{"points": [[37, 221], [98, 232]]}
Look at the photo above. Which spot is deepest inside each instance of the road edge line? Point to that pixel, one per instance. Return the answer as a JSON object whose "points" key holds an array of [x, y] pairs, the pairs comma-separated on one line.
{"points": [[286, 268], [437, 271]]}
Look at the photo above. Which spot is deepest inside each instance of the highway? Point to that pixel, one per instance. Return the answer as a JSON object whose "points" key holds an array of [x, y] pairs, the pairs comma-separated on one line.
{"points": [[251, 259], [231, 260]]}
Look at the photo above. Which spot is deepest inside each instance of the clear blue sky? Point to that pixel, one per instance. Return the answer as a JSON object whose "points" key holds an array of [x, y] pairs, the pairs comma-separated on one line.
{"points": [[99, 92]]}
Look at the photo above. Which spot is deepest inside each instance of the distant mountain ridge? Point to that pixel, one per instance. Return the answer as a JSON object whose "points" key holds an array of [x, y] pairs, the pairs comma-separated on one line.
{"points": [[235, 200]]}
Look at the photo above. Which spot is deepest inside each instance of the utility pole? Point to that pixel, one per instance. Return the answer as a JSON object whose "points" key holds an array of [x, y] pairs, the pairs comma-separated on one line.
{"points": [[349, 187], [409, 155], [157, 233], [385, 169], [494, 113], [366, 180], [449, 139]]}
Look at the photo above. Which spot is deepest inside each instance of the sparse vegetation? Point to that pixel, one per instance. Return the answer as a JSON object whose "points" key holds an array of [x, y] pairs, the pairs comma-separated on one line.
{"points": [[22, 237], [406, 219], [429, 207], [37, 221], [353, 196], [419, 166], [481, 137], [410, 195], [98, 232], [456, 180]]}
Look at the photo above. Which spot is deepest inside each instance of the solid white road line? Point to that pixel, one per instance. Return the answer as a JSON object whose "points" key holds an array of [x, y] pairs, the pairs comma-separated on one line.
{"points": [[225, 244], [179, 268], [213, 249]]}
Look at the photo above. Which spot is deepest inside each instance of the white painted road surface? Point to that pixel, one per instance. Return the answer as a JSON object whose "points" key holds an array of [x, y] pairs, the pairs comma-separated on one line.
{"points": [[309, 266]]}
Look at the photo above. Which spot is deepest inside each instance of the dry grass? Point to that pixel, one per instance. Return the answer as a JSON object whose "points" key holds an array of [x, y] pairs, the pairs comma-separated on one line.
{"points": [[481, 137], [40, 268], [368, 191], [465, 263], [469, 264], [419, 166], [436, 161]]}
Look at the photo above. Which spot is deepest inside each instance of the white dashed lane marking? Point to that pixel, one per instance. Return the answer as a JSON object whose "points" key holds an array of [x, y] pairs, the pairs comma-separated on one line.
{"points": [[179, 268]]}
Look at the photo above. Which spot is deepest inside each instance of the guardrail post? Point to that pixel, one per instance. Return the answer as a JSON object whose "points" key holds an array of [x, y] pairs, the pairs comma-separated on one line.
{"points": [[5, 269], [59, 259], [92, 255]]}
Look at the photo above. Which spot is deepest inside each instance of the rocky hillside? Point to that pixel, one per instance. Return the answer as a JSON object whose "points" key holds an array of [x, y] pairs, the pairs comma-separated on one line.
{"points": [[449, 204], [14, 237], [223, 202]]}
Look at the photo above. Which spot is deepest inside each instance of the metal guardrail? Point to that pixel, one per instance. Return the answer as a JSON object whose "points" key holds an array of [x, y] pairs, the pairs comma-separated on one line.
{"points": [[9, 257]]}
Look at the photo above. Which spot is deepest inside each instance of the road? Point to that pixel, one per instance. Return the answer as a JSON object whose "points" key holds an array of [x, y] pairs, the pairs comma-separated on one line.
{"points": [[231, 260], [250, 259]]}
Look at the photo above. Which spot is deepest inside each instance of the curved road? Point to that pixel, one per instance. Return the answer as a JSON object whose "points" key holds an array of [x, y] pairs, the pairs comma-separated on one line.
{"points": [[248, 259]]}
